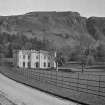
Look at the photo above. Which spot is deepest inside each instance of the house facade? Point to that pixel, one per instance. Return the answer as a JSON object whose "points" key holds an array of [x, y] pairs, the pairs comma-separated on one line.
{"points": [[34, 59]]}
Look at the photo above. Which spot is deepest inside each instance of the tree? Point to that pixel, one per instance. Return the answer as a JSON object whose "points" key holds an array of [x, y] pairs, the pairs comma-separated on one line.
{"points": [[28, 46], [86, 45], [59, 59]]}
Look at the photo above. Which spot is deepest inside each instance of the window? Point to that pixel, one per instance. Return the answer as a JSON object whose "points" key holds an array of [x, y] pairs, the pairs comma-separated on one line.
{"points": [[23, 56], [48, 57], [29, 56], [44, 64], [44, 57], [23, 64], [37, 57], [49, 64], [37, 64], [29, 64]]}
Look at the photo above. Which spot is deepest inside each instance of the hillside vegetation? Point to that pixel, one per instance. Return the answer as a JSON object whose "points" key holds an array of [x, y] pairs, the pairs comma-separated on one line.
{"points": [[66, 32]]}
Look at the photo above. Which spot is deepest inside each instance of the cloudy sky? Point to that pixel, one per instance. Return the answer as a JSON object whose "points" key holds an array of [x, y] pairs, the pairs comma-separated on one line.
{"points": [[85, 7]]}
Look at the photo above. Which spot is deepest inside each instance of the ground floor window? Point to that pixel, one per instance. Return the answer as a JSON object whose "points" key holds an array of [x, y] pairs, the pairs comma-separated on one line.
{"points": [[23, 64], [44, 64], [37, 64], [49, 64]]}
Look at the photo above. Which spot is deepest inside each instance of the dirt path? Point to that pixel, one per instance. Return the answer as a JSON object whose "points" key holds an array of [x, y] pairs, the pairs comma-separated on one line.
{"points": [[24, 95], [4, 100]]}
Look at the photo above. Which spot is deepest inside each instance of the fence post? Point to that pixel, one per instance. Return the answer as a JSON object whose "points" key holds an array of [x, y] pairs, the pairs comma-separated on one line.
{"points": [[87, 81], [62, 79], [51, 76], [39, 76], [36, 76], [43, 76], [56, 78], [78, 82], [99, 85], [31, 73], [25, 71], [28, 72]]}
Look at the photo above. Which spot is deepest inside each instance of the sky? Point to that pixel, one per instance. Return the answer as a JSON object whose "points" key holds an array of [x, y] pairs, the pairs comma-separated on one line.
{"points": [[86, 8]]}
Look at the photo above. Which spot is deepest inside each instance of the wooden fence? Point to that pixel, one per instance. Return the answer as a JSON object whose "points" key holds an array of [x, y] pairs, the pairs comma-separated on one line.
{"points": [[88, 84]]}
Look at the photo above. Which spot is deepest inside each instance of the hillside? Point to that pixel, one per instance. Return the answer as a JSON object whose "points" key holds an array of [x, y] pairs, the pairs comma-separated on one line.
{"points": [[96, 27], [61, 28], [64, 31]]}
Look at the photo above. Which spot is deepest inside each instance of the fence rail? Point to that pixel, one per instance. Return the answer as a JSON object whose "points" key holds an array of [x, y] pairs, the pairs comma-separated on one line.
{"points": [[86, 83]]}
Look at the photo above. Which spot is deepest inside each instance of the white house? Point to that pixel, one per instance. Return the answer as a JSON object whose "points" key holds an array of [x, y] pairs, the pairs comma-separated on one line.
{"points": [[34, 59]]}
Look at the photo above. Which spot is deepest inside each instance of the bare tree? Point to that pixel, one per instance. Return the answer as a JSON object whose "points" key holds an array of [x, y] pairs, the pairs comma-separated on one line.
{"points": [[86, 44]]}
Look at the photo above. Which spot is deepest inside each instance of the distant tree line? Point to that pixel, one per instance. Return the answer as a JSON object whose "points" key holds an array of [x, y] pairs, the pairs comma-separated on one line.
{"points": [[87, 52], [10, 42]]}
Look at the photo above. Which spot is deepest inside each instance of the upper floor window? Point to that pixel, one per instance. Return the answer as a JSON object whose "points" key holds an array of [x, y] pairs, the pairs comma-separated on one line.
{"points": [[44, 56], [29, 56], [23, 56], [37, 57]]}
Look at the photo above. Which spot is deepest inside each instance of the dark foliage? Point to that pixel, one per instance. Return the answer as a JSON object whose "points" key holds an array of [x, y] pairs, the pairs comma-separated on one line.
{"points": [[8, 43]]}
